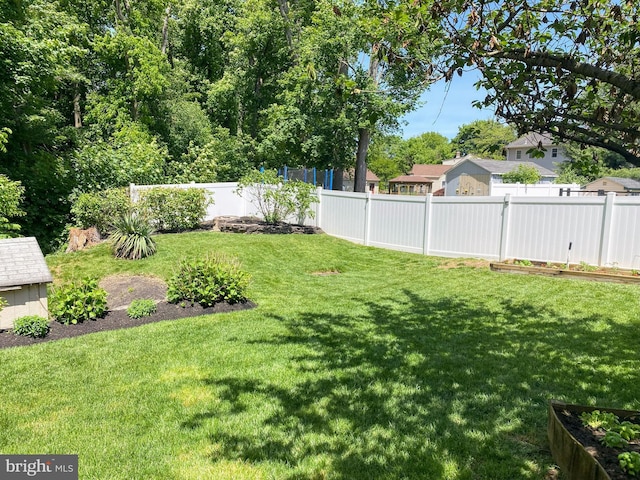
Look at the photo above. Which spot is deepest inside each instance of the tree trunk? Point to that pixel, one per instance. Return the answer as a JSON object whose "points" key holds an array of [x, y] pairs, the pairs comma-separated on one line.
{"points": [[360, 178], [165, 29], [77, 114]]}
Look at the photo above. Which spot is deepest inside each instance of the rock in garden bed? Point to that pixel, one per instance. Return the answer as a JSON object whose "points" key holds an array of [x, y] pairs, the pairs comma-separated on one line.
{"points": [[255, 225]]}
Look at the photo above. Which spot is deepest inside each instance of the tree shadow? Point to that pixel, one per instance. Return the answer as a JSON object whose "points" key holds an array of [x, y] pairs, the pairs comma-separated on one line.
{"points": [[420, 388]]}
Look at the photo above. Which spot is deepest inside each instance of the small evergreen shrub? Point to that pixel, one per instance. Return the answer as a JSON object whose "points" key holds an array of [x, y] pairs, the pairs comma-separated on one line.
{"points": [[76, 302], [100, 208], [131, 237], [214, 279], [141, 308], [174, 209], [31, 326]]}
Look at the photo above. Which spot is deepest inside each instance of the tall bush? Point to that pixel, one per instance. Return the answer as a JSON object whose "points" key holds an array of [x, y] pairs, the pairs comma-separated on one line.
{"points": [[99, 209], [277, 200], [173, 209], [77, 302]]}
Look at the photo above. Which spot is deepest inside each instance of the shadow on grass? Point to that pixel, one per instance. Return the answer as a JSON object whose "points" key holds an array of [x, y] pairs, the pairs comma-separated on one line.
{"points": [[420, 388]]}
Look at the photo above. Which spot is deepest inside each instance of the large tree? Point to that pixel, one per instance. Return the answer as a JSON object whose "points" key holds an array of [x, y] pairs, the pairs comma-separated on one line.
{"points": [[567, 67]]}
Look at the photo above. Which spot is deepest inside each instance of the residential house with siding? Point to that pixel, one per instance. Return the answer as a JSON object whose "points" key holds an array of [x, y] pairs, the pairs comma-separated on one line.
{"points": [[619, 185], [422, 179], [554, 154]]}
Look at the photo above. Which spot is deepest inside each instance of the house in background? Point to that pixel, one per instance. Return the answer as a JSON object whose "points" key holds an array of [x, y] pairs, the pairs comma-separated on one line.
{"points": [[422, 179], [476, 176], [619, 185], [554, 154], [373, 182], [23, 280]]}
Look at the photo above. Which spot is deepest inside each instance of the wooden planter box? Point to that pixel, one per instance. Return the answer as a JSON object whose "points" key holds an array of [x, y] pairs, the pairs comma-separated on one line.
{"points": [[571, 456], [559, 272]]}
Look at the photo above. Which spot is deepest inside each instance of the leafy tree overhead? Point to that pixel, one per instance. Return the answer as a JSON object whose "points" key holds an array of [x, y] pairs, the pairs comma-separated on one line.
{"points": [[570, 68], [428, 148], [527, 174], [484, 138]]}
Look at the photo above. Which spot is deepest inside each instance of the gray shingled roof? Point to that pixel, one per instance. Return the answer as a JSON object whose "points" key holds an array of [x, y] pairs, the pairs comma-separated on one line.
{"points": [[532, 140], [628, 183], [22, 263], [499, 167]]}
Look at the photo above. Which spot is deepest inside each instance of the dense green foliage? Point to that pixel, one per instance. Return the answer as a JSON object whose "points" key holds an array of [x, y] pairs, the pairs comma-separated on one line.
{"points": [[10, 202], [100, 208], [131, 237], [141, 308], [174, 209], [31, 326], [484, 139], [209, 281], [527, 174], [77, 301]]}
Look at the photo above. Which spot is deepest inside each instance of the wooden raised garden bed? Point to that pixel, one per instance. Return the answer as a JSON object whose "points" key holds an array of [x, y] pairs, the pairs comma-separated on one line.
{"points": [[578, 450], [557, 270]]}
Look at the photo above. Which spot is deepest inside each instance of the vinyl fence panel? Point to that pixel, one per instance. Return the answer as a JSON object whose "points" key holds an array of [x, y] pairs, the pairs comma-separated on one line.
{"points": [[397, 223]]}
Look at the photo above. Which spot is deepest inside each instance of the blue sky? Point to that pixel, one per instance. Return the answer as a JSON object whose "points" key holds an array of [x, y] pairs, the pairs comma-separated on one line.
{"points": [[444, 112]]}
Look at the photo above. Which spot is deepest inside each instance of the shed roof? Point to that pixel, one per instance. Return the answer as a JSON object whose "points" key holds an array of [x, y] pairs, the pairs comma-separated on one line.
{"points": [[22, 263]]}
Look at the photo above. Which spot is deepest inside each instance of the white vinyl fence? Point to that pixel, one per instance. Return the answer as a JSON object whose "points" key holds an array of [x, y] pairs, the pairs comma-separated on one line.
{"points": [[596, 230]]}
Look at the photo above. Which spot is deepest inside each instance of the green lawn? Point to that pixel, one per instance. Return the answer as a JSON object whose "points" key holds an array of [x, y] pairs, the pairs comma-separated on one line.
{"points": [[393, 368]]}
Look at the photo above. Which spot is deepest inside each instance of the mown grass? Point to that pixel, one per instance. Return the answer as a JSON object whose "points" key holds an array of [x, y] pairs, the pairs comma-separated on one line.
{"points": [[392, 368]]}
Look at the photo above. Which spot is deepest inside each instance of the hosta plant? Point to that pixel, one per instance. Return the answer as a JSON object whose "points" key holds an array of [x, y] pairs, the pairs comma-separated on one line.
{"points": [[131, 237], [76, 302]]}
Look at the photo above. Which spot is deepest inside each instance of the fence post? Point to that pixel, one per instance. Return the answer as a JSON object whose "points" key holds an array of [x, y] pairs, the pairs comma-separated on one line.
{"points": [[426, 234], [504, 232], [367, 218], [319, 207], [132, 187], [605, 235]]}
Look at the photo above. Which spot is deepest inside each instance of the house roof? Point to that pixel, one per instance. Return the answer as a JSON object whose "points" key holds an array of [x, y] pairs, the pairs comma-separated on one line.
{"points": [[499, 167], [531, 140], [425, 170], [627, 183], [22, 263], [350, 174], [411, 179]]}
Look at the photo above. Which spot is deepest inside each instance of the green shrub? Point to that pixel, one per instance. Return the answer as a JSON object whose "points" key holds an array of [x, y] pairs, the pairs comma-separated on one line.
{"points": [[277, 200], [630, 462], [11, 197], [3, 303], [214, 279], [174, 209], [76, 302], [131, 237], [100, 208], [31, 326], [141, 308]]}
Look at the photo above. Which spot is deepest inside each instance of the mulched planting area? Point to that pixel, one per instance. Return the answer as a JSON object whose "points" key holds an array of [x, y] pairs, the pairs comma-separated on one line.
{"points": [[117, 319], [590, 439]]}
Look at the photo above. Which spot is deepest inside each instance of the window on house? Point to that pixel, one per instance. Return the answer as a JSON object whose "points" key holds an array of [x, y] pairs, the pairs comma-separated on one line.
{"points": [[518, 154], [554, 153]]}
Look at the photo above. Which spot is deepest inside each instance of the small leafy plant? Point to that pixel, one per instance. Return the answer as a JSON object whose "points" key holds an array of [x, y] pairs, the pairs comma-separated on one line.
{"points": [[627, 430], [598, 419], [76, 302], [208, 281], [630, 462], [141, 308], [3, 303], [523, 263], [131, 237], [31, 326], [614, 440]]}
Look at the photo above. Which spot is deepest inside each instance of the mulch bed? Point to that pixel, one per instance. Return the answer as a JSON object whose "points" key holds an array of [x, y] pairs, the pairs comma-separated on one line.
{"points": [[117, 319], [590, 439]]}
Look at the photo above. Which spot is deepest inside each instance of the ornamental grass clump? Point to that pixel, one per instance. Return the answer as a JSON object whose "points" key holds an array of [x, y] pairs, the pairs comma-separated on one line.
{"points": [[131, 237], [208, 281]]}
